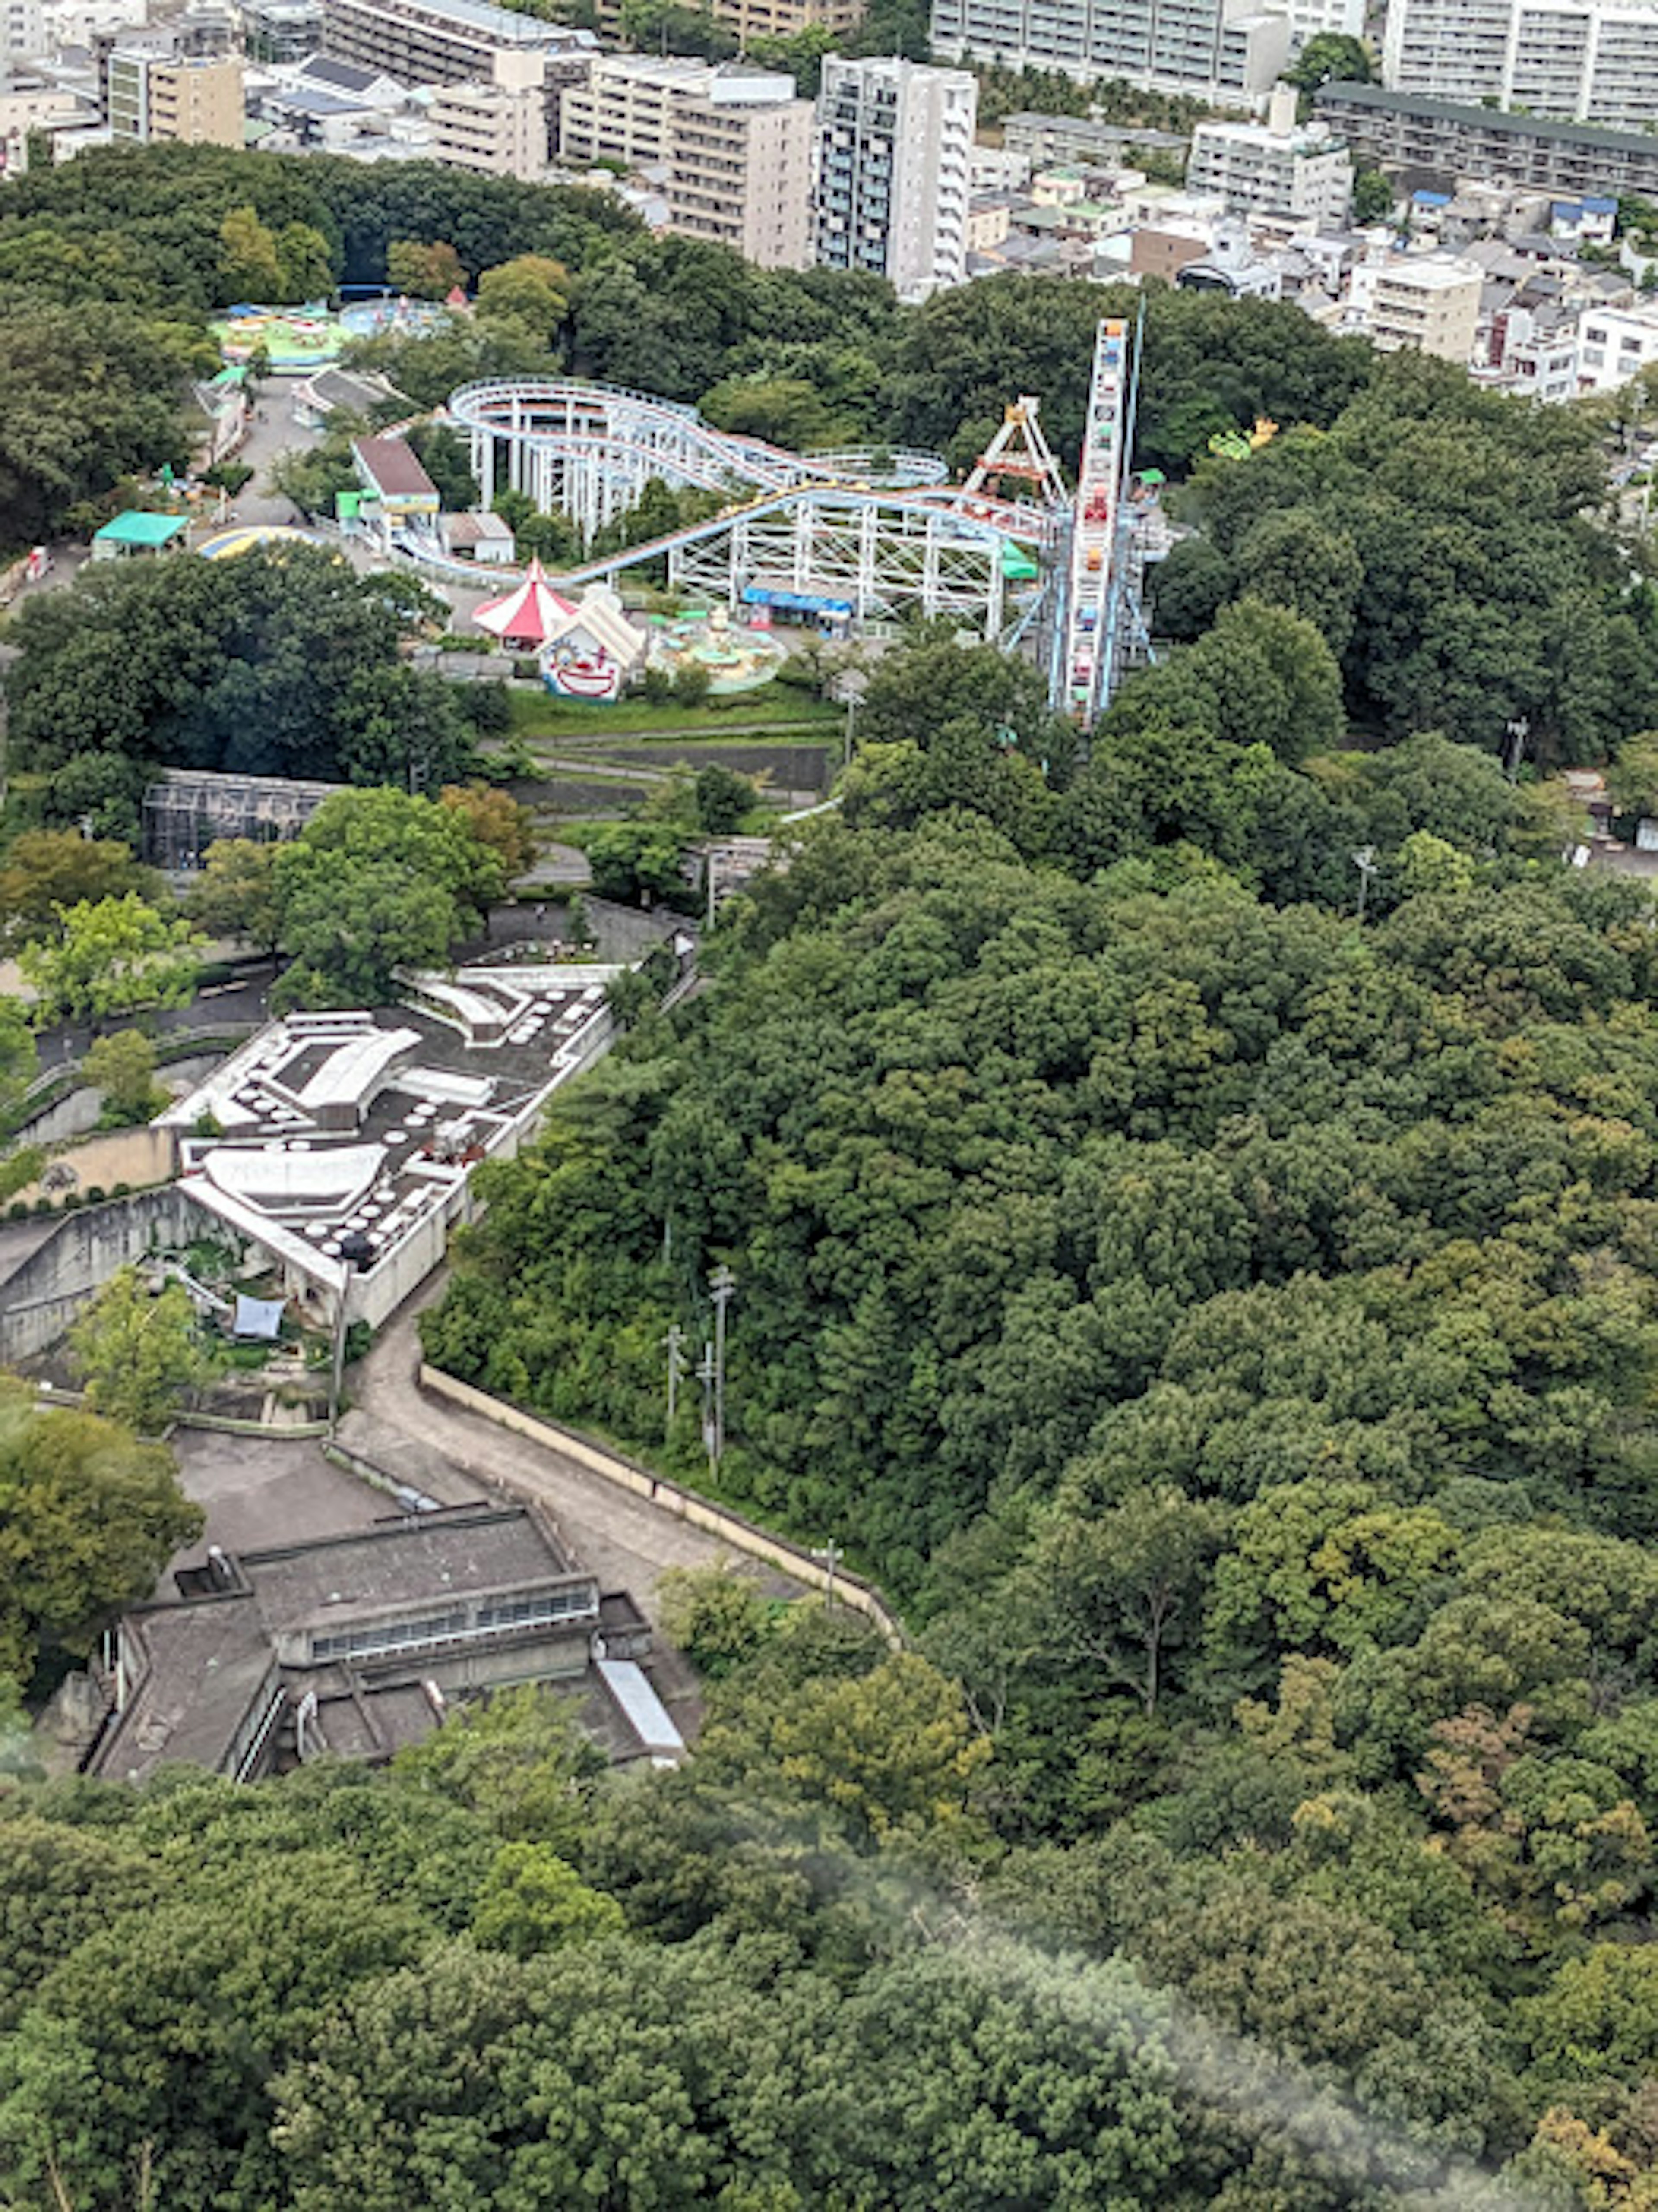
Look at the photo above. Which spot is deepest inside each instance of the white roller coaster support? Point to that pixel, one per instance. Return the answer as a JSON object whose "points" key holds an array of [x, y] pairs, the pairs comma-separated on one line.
{"points": [[831, 526]]}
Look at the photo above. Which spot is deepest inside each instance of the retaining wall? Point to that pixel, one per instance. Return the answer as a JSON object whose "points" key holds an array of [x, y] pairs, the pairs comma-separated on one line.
{"points": [[669, 1497], [84, 1250]]}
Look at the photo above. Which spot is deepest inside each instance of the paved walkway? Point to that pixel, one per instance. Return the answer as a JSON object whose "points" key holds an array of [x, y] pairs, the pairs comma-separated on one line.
{"points": [[626, 1540]]}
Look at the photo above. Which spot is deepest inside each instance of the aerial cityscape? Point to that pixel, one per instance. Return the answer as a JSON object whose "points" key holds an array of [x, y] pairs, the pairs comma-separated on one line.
{"points": [[829, 1105]]}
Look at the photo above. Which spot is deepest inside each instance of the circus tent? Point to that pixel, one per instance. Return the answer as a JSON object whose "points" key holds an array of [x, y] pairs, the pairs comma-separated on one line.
{"points": [[528, 616]]}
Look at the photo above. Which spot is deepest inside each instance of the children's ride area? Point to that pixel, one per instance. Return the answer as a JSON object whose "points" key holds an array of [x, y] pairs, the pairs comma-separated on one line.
{"points": [[735, 659], [298, 341]]}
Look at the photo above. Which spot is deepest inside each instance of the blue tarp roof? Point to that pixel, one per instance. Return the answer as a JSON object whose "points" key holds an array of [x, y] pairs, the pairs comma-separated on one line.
{"points": [[758, 595]]}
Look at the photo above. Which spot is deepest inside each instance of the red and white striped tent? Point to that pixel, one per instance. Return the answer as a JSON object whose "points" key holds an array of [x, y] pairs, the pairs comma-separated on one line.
{"points": [[528, 616]]}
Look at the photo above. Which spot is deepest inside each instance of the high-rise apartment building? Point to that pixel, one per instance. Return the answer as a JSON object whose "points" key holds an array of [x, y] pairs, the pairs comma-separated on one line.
{"points": [[1280, 166], [498, 129], [1230, 52], [157, 95], [1587, 61], [731, 146], [437, 42], [895, 158]]}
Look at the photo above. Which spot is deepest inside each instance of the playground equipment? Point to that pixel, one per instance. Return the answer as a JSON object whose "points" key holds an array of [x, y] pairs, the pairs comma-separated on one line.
{"points": [[736, 660]]}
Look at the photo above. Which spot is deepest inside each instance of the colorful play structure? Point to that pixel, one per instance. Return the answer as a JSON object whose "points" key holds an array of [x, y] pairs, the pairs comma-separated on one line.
{"points": [[246, 537], [299, 341], [832, 539]]}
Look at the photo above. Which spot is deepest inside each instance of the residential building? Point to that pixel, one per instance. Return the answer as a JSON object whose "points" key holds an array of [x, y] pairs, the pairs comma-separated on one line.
{"points": [[1042, 140], [1532, 354], [1614, 344], [1279, 166], [1314, 19], [1417, 303], [29, 104], [1230, 52], [498, 129], [280, 32], [22, 33], [157, 94], [760, 19], [1593, 61], [895, 155], [440, 41], [732, 146], [1407, 130], [390, 472]]}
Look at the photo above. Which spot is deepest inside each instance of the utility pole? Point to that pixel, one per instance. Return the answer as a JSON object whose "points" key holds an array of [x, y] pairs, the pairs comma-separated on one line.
{"points": [[831, 1555], [674, 1341], [710, 872], [1365, 862], [1513, 754], [705, 1377], [722, 1284]]}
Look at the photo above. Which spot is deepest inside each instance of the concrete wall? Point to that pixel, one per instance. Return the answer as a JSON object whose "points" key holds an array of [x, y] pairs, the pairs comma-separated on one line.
{"points": [[84, 1250], [76, 1114], [134, 1157], [669, 1497]]}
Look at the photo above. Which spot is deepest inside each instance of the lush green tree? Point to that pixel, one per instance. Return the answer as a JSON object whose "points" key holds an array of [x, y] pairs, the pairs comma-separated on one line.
{"points": [[718, 1616], [234, 896], [532, 1901], [46, 870], [1331, 56], [1374, 196], [430, 272], [123, 1067], [531, 292], [375, 881], [88, 1517], [113, 955], [137, 1350]]}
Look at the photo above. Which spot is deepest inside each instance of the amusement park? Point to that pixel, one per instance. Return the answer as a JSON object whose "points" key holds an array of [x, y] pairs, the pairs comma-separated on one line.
{"points": [[842, 544]]}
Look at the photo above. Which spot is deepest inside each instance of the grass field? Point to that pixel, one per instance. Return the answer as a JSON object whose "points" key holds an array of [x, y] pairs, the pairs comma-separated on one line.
{"points": [[536, 715]]}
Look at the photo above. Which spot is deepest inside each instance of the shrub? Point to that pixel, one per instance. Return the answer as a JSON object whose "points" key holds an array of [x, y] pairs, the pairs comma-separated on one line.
{"points": [[96, 1194], [18, 1210], [43, 1204], [121, 1190]]}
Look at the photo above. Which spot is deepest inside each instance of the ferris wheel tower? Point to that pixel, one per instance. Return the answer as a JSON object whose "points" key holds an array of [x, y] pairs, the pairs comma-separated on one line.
{"points": [[1100, 596]]}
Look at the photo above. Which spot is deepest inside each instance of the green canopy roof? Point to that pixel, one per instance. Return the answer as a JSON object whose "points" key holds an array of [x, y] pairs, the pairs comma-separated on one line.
{"points": [[136, 529]]}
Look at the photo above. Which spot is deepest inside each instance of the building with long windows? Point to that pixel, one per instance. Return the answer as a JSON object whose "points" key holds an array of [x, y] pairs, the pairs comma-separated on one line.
{"points": [[730, 146], [1530, 151], [1230, 52], [438, 41], [1588, 61], [156, 95], [1280, 166], [498, 129], [894, 159]]}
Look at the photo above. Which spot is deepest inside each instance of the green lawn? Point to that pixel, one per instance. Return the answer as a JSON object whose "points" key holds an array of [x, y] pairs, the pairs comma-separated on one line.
{"points": [[537, 714]]}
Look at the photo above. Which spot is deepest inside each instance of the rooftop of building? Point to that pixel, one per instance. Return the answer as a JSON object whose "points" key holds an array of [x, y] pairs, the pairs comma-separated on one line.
{"points": [[142, 531], [393, 467], [204, 1660], [1499, 120], [339, 1136], [502, 27]]}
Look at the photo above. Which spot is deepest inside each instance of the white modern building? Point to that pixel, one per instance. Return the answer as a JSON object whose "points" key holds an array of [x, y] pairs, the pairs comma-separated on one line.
{"points": [[730, 145], [1276, 167], [1615, 343], [1587, 61], [1230, 52], [895, 162]]}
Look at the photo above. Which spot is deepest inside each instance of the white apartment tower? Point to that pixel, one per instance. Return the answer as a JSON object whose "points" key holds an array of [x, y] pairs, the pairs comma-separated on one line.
{"points": [[895, 156], [1585, 61]]}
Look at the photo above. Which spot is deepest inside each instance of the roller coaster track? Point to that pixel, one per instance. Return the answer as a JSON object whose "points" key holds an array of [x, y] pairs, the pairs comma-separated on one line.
{"points": [[874, 532]]}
